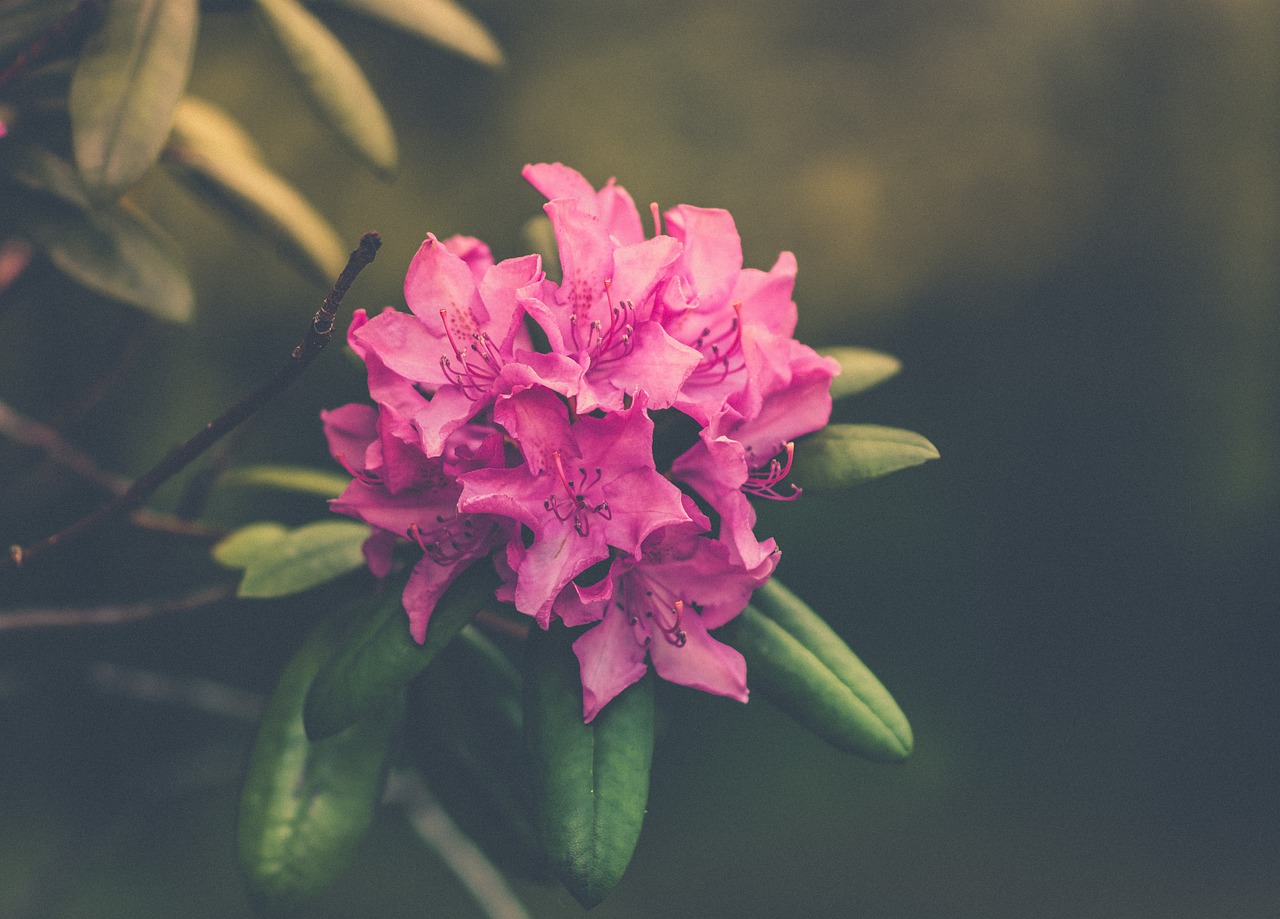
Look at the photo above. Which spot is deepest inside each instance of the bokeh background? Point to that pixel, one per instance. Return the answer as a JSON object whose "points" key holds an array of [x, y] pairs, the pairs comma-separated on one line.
{"points": [[1063, 216]]}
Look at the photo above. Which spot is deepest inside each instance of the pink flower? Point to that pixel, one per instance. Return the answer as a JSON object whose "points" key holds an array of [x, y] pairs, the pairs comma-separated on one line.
{"points": [[583, 488], [465, 342], [660, 606], [424, 511]]}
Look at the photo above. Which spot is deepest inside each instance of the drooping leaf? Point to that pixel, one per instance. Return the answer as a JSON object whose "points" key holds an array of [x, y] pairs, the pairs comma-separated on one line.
{"points": [[215, 158], [841, 455], [301, 479], [590, 781], [798, 662], [381, 656], [118, 253], [126, 85], [306, 805], [112, 250], [443, 22], [860, 369], [279, 562], [333, 81]]}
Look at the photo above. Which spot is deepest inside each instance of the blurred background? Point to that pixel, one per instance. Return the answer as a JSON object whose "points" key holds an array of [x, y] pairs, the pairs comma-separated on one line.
{"points": [[1064, 218]]}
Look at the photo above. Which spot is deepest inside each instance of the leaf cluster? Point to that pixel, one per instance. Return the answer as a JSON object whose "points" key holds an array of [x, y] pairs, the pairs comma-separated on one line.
{"points": [[93, 100]]}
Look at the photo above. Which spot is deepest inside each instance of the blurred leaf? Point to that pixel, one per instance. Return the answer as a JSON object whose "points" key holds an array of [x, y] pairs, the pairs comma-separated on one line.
{"points": [[441, 21], [306, 806], [381, 656], [860, 369], [119, 254], [538, 236], [218, 160], [129, 78], [289, 478], [113, 250], [41, 170], [279, 562], [245, 545], [333, 81], [795, 660], [590, 781], [841, 455]]}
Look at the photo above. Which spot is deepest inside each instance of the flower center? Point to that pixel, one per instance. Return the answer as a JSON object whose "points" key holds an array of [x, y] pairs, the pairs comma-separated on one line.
{"points": [[761, 482], [661, 610], [478, 362], [577, 506], [604, 343], [722, 351], [451, 539]]}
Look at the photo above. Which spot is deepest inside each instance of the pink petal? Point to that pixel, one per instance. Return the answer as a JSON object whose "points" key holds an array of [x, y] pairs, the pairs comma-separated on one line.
{"points": [[610, 660], [702, 663]]}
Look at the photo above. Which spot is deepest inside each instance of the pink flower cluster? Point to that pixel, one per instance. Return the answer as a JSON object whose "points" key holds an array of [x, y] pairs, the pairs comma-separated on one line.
{"points": [[484, 446]]}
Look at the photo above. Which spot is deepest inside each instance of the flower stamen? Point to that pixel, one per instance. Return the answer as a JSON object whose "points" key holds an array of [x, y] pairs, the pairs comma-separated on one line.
{"points": [[761, 482]]}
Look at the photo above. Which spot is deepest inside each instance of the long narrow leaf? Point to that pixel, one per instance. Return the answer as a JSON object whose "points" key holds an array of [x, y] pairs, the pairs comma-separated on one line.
{"points": [[216, 159], [590, 781], [333, 81], [860, 369], [126, 85], [306, 805], [841, 455], [440, 21]]}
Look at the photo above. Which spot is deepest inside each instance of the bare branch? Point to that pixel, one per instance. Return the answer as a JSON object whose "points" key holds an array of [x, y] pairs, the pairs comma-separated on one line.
{"points": [[113, 614], [321, 331], [463, 857]]}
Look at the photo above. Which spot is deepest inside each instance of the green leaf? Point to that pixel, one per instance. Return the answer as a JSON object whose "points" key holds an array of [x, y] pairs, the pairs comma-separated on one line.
{"points": [[300, 479], [381, 656], [440, 21], [590, 781], [841, 455], [215, 158], [795, 660], [117, 252], [279, 562], [113, 250], [306, 805], [860, 369], [333, 81], [126, 85]]}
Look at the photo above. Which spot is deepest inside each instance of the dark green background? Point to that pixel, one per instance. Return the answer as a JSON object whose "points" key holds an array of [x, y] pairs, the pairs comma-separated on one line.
{"points": [[1061, 215]]}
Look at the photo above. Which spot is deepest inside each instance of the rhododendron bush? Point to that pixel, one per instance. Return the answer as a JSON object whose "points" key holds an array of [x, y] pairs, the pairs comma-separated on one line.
{"points": [[508, 467], [546, 503]]}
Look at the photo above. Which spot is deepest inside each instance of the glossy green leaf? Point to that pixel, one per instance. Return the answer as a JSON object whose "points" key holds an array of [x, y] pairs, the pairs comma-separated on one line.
{"points": [[860, 369], [841, 455], [214, 157], [40, 170], [126, 85], [279, 562], [795, 660], [306, 805], [333, 81], [590, 781], [381, 656], [440, 21], [301, 479]]}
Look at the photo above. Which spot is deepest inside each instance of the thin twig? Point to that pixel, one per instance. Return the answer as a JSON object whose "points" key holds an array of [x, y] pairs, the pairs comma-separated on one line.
{"points": [[463, 857], [55, 617], [186, 692], [46, 438], [321, 331]]}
